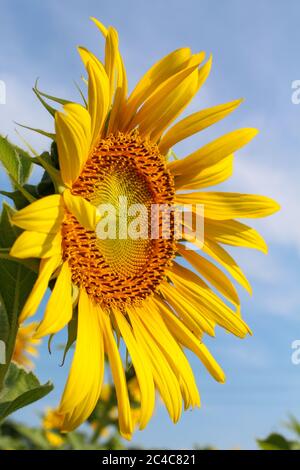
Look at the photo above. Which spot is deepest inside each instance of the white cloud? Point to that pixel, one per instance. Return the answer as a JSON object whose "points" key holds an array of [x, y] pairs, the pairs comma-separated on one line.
{"points": [[282, 184]]}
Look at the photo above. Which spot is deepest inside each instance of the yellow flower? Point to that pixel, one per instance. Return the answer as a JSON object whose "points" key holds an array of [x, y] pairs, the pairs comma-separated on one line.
{"points": [[51, 424], [119, 146], [26, 345]]}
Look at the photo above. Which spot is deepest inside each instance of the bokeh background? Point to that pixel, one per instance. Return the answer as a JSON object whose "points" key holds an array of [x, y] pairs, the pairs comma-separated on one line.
{"points": [[255, 47]]}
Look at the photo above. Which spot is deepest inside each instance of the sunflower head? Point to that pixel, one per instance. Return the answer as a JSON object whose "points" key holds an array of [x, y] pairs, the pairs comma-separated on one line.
{"points": [[123, 169], [119, 280]]}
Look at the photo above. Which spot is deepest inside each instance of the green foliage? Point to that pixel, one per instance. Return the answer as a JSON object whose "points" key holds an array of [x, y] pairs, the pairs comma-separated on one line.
{"points": [[16, 162], [17, 196], [16, 282], [17, 277], [72, 334], [279, 442], [275, 442], [20, 389], [16, 436]]}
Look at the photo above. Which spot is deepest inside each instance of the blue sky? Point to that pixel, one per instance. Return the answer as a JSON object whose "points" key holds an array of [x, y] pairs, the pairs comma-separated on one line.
{"points": [[255, 55]]}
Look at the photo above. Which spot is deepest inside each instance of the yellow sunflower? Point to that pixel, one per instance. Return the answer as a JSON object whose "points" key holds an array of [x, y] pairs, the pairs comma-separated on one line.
{"points": [[115, 146], [51, 424], [26, 345]]}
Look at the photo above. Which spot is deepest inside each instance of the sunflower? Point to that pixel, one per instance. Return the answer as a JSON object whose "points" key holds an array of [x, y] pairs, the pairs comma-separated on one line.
{"points": [[26, 345], [138, 290], [51, 424]]}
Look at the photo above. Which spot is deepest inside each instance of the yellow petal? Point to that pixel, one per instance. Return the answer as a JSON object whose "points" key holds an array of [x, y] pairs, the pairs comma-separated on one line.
{"points": [[190, 315], [222, 206], [117, 75], [142, 369], [209, 176], [47, 268], [73, 137], [117, 370], [180, 104], [80, 118], [44, 215], [217, 252], [215, 276], [87, 56], [154, 77], [167, 101], [118, 107], [187, 339], [160, 333], [172, 107], [99, 98], [232, 232], [84, 383], [189, 284], [36, 245], [170, 100], [212, 153], [165, 379], [101, 26], [59, 308], [84, 211], [111, 57], [195, 123]]}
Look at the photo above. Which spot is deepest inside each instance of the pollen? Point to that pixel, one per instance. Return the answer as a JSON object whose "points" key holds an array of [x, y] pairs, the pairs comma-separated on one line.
{"points": [[122, 270]]}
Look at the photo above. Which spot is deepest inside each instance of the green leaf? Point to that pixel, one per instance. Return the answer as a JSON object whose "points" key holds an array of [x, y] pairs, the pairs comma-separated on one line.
{"points": [[275, 442], [49, 108], [20, 389], [72, 335], [18, 197], [26, 160], [16, 282], [45, 186], [50, 97], [81, 94], [50, 164], [16, 161], [9, 443], [38, 131], [294, 425], [34, 437]]}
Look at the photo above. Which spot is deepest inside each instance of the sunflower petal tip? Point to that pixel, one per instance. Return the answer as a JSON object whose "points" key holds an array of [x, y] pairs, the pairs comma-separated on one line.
{"points": [[277, 206], [253, 131], [38, 334], [264, 249], [13, 252], [126, 435], [239, 101], [223, 379]]}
